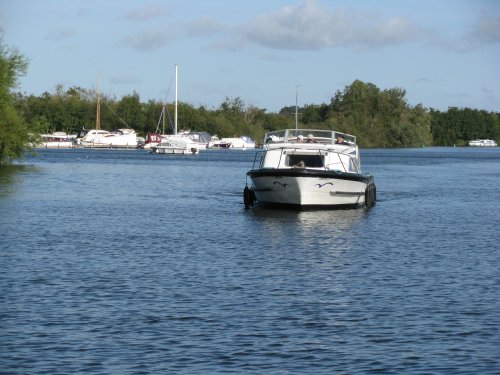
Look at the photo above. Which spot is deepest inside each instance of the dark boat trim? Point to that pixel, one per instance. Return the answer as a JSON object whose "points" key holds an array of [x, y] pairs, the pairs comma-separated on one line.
{"points": [[296, 172], [307, 207]]}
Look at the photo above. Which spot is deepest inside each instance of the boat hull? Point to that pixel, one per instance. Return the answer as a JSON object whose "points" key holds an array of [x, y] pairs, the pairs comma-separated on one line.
{"points": [[174, 150], [62, 144], [311, 188]]}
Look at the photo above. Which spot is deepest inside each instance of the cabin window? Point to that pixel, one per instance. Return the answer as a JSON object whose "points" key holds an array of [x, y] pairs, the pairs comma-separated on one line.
{"points": [[311, 161]]}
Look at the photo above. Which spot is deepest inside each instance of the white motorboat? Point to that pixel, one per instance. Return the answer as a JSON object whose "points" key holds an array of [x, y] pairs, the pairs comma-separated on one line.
{"points": [[309, 169], [483, 143], [57, 140], [175, 145], [120, 138], [215, 142], [243, 142], [202, 139]]}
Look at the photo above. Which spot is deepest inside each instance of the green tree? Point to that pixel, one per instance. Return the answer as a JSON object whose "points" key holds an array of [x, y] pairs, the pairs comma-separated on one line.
{"points": [[152, 112], [379, 118], [131, 112], [13, 132]]}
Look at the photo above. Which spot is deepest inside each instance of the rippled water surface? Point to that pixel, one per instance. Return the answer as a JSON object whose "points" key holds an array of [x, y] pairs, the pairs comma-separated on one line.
{"points": [[124, 262]]}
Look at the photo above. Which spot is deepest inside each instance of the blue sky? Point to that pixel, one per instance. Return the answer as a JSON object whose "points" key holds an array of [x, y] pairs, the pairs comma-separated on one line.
{"points": [[442, 52]]}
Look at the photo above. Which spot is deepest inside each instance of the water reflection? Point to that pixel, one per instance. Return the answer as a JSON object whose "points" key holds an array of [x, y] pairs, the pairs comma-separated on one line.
{"points": [[308, 236], [315, 248], [9, 176], [309, 221]]}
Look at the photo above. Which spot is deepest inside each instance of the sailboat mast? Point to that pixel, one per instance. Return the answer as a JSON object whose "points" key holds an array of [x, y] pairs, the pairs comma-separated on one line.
{"points": [[175, 113], [98, 109], [163, 111], [296, 107]]}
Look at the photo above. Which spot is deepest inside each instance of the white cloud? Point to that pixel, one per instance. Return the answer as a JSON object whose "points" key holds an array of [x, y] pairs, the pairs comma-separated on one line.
{"points": [[483, 32], [310, 26], [59, 35], [486, 30], [146, 13], [395, 30], [202, 27], [148, 40], [423, 80], [124, 79]]}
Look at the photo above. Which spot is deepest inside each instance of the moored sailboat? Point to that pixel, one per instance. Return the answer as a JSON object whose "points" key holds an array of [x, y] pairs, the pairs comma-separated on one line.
{"points": [[99, 138], [175, 143]]}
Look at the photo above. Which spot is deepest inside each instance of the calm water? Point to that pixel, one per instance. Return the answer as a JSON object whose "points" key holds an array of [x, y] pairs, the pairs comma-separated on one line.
{"points": [[122, 262]]}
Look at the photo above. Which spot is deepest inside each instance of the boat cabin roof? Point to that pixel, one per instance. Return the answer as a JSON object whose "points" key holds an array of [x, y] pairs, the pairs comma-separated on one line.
{"points": [[326, 137]]}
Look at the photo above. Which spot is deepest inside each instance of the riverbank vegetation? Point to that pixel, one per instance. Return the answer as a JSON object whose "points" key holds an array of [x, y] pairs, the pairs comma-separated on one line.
{"points": [[379, 118]]}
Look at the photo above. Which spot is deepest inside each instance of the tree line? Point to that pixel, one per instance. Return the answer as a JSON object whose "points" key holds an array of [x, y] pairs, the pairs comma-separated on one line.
{"points": [[379, 118]]}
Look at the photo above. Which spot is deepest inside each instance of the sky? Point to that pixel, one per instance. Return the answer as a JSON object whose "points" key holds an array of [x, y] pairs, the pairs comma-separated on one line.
{"points": [[444, 53]]}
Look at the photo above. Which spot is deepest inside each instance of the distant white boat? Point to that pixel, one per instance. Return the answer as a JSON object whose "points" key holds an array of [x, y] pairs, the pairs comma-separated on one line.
{"points": [[57, 140], [175, 145], [202, 139], [483, 143], [239, 142]]}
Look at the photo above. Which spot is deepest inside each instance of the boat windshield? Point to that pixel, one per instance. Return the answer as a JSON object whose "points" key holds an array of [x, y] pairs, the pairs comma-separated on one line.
{"points": [[303, 161]]}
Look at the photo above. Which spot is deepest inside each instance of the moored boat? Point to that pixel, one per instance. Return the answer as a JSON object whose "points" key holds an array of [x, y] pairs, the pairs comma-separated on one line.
{"points": [[482, 143], [56, 140], [175, 145], [307, 168], [243, 142], [120, 138], [202, 139], [152, 139]]}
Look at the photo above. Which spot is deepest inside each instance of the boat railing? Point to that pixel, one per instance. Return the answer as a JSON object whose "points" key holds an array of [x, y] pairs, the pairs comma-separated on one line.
{"points": [[258, 155], [328, 137]]}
